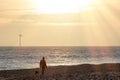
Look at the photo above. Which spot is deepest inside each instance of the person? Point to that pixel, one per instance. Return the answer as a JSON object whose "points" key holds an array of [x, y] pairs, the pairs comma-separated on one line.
{"points": [[43, 65]]}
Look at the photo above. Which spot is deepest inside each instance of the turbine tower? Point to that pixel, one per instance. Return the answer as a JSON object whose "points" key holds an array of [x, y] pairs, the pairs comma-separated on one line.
{"points": [[20, 39]]}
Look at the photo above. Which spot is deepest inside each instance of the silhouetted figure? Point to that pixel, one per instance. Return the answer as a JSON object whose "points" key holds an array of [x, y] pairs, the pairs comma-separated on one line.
{"points": [[43, 65]]}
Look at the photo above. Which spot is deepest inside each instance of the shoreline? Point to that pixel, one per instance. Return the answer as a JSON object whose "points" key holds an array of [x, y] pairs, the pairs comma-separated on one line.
{"points": [[98, 64], [73, 72]]}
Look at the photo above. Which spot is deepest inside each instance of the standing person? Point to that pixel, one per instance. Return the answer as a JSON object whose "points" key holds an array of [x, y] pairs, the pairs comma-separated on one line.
{"points": [[43, 65]]}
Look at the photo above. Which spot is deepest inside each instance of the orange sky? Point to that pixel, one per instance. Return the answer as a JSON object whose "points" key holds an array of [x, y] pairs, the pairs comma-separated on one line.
{"points": [[83, 24]]}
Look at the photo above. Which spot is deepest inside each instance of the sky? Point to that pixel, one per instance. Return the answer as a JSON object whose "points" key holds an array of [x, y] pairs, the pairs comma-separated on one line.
{"points": [[60, 22]]}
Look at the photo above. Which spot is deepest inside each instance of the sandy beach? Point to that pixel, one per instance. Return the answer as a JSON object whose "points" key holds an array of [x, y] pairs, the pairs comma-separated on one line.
{"points": [[77, 72]]}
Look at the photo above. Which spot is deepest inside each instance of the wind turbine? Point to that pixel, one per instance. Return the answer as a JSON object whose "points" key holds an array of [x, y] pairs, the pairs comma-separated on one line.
{"points": [[20, 39]]}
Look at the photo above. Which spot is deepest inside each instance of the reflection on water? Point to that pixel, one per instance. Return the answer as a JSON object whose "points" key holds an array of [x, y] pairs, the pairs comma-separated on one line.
{"points": [[28, 57]]}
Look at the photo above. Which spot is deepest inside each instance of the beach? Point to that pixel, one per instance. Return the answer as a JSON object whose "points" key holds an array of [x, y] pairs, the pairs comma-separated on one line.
{"points": [[108, 71]]}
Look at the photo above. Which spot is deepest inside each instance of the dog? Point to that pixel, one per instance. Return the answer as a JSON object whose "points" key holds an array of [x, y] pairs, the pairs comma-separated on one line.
{"points": [[36, 72]]}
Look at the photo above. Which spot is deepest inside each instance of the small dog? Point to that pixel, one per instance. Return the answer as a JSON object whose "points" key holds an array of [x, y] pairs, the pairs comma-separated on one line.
{"points": [[36, 72]]}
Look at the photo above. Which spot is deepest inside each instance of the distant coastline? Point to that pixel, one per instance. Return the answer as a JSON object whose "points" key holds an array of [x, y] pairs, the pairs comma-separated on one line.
{"points": [[60, 46]]}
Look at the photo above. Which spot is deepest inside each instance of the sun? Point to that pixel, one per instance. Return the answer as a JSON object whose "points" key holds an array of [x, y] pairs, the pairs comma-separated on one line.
{"points": [[62, 6]]}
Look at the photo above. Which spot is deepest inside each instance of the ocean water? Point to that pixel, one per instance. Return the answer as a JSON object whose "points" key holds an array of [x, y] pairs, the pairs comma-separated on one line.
{"points": [[29, 57]]}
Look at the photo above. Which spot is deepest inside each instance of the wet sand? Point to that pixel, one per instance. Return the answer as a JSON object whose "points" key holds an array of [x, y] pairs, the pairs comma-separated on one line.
{"points": [[78, 72]]}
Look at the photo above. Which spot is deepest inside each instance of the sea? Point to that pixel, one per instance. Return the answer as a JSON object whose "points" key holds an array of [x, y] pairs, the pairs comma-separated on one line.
{"points": [[29, 57]]}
